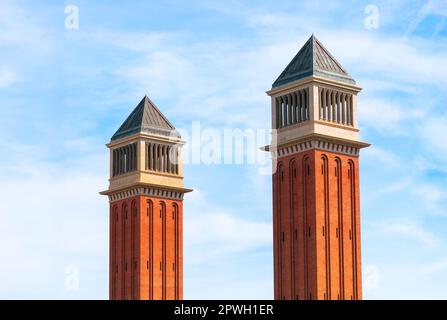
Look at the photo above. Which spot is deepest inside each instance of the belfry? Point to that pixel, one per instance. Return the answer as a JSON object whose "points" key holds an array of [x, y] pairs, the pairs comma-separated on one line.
{"points": [[316, 200], [146, 207]]}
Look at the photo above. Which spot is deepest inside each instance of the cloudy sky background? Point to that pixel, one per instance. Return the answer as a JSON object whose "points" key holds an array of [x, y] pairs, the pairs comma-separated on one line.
{"points": [[63, 93]]}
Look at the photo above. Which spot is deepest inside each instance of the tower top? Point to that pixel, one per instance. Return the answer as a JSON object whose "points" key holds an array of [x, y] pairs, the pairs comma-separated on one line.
{"points": [[146, 154], [146, 118], [313, 60]]}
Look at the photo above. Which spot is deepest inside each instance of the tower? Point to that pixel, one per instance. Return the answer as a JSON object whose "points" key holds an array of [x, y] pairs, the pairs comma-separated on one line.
{"points": [[316, 200], [146, 207]]}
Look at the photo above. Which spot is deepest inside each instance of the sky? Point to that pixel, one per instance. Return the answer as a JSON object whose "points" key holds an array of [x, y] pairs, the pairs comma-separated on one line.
{"points": [[66, 88]]}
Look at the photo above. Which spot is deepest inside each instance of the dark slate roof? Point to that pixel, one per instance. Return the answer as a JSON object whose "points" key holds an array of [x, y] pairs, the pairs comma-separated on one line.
{"points": [[313, 59], [146, 118]]}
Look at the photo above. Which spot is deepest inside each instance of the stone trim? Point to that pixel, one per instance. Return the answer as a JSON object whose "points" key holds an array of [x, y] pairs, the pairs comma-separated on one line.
{"points": [[146, 191], [316, 144]]}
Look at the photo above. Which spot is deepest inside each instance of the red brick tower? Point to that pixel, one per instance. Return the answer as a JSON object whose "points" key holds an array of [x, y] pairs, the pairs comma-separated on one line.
{"points": [[316, 200], [146, 208]]}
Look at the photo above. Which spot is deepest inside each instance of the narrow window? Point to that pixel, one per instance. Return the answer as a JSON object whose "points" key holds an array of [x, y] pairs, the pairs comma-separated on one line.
{"points": [[283, 236], [309, 231]]}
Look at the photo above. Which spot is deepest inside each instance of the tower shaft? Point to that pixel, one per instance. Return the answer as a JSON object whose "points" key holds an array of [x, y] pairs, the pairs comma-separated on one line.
{"points": [[146, 255], [317, 226]]}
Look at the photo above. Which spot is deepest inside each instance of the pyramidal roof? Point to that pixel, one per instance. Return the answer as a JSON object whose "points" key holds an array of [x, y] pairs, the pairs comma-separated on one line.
{"points": [[146, 118], [313, 60]]}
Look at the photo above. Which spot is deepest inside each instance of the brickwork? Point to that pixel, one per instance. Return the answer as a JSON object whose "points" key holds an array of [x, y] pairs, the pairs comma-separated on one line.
{"points": [[146, 255], [317, 226]]}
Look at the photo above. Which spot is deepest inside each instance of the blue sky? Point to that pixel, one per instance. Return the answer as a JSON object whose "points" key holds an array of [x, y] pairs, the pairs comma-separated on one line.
{"points": [[63, 93]]}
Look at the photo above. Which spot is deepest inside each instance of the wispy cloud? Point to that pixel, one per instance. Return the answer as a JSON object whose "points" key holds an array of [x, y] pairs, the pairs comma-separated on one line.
{"points": [[7, 78], [53, 217], [218, 233], [434, 267], [409, 230], [70, 88]]}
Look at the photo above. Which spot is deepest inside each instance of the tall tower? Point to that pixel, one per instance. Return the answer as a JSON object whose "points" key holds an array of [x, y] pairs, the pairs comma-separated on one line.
{"points": [[146, 207], [316, 199]]}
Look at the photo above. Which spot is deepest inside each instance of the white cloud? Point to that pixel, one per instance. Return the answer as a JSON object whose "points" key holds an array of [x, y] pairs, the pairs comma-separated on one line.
{"points": [[225, 256], [433, 196], [381, 155], [213, 233], [431, 7], [409, 230], [433, 131], [7, 78], [435, 267], [22, 27], [385, 117], [52, 216]]}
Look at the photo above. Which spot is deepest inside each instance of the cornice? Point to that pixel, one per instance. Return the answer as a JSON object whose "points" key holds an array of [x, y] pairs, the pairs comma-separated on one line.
{"points": [[144, 137], [146, 190], [312, 79], [317, 141]]}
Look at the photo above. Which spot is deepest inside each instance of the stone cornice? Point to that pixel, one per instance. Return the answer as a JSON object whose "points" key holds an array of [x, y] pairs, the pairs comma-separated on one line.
{"points": [[312, 79], [144, 137], [320, 142], [146, 190]]}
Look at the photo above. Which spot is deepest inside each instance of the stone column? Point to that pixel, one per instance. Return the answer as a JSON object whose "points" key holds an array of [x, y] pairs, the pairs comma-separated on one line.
{"points": [[313, 102], [275, 112], [179, 161], [354, 111], [141, 155], [112, 162]]}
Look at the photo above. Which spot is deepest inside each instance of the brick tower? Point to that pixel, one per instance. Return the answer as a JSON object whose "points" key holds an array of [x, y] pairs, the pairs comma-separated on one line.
{"points": [[316, 200], [146, 207]]}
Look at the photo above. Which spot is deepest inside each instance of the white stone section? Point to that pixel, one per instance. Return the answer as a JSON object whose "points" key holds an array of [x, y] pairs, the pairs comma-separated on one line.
{"points": [[316, 144], [146, 191]]}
